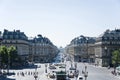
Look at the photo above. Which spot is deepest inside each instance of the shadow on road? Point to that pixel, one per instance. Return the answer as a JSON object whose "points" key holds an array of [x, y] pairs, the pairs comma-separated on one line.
{"points": [[4, 78]]}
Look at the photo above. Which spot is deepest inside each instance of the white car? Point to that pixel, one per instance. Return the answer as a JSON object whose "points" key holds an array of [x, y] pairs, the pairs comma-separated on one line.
{"points": [[80, 78]]}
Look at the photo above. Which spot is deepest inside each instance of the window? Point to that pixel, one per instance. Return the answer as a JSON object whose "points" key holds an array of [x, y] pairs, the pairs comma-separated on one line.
{"points": [[11, 36]]}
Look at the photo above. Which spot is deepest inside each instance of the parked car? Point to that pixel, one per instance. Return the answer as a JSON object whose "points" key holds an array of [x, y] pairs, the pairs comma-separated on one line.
{"points": [[80, 78]]}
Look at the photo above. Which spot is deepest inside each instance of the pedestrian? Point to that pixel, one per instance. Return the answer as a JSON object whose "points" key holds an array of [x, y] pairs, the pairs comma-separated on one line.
{"points": [[37, 73], [22, 74], [26, 73], [82, 72], [31, 73], [17, 73]]}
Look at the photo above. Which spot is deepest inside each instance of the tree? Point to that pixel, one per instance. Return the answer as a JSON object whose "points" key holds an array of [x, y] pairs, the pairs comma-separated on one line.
{"points": [[4, 56], [9, 56], [12, 54], [116, 57]]}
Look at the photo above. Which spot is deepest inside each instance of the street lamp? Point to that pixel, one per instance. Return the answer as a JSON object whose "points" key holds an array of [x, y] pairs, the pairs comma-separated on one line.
{"points": [[75, 66], [45, 68], [76, 71], [105, 51], [36, 74], [85, 73], [87, 49], [105, 56], [8, 67]]}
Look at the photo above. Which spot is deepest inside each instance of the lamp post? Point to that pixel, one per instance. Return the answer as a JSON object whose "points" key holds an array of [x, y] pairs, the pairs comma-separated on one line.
{"points": [[87, 49], [105, 50], [76, 71], [45, 68], [85, 73], [36, 74], [105, 63], [8, 67]]}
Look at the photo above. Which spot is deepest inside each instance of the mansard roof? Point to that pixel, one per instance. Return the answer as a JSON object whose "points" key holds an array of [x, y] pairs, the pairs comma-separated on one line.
{"points": [[108, 32], [41, 39], [16, 34], [109, 35], [82, 39]]}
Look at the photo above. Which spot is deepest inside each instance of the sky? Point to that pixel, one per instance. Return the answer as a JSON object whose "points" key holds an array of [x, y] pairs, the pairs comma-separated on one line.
{"points": [[60, 20]]}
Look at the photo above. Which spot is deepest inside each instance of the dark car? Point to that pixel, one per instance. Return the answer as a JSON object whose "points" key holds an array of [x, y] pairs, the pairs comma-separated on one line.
{"points": [[72, 68]]}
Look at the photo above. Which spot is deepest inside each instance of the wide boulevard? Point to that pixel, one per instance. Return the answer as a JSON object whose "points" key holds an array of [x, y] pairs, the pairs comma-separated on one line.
{"points": [[42, 70], [94, 72]]}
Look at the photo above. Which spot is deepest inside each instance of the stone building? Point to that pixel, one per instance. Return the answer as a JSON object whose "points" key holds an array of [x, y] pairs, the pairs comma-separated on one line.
{"points": [[39, 49], [80, 49], [105, 44], [17, 39], [42, 49]]}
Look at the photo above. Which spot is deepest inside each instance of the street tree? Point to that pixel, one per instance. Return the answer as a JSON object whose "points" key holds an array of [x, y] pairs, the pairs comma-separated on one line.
{"points": [[4, 56], [9, 56], [116, 57], [13, 56]]}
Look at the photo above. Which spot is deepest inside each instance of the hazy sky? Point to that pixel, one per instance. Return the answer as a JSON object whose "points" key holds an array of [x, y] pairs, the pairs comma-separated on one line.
{"points": [[60, 20]]}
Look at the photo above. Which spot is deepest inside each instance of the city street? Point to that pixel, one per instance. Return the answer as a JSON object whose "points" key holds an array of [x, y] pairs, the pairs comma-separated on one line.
{"points": [[97, 73], [42, 71], [94, 72]]}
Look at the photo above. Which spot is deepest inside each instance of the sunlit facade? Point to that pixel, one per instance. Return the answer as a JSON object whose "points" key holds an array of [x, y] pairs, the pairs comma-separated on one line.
{"points": [[38, 49], [105, 44], [42, 49], [17, 39], [80, 48]]}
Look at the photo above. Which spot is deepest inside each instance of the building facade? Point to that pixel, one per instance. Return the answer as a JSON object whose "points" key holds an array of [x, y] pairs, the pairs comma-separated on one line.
{"points": [[80, 49], [42, 49], [105, 44], [17, 39], [38, 49]]}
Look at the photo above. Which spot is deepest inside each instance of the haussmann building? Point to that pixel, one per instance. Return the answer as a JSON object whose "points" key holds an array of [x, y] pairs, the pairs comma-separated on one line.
{"points": [[38, 49]]}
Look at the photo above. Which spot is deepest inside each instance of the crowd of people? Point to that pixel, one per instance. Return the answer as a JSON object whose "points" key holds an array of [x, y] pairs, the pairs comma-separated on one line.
{"points": [[27, 73]]}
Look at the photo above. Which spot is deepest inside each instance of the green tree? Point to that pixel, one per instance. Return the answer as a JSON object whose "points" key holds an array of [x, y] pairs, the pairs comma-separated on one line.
{"points": [[12, 55], [4, 56], [9, 56], [116, 57]]}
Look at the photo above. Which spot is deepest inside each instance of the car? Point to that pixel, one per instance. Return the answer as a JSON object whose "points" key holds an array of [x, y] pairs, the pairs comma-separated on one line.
{"points": [[71, 75], [52, 76], [62, 66], [80, 78], [72, 68], [52, 67]]}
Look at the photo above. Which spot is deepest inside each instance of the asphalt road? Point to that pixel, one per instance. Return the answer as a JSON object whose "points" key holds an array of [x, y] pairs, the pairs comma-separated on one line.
{"points": [[96, 73]]}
